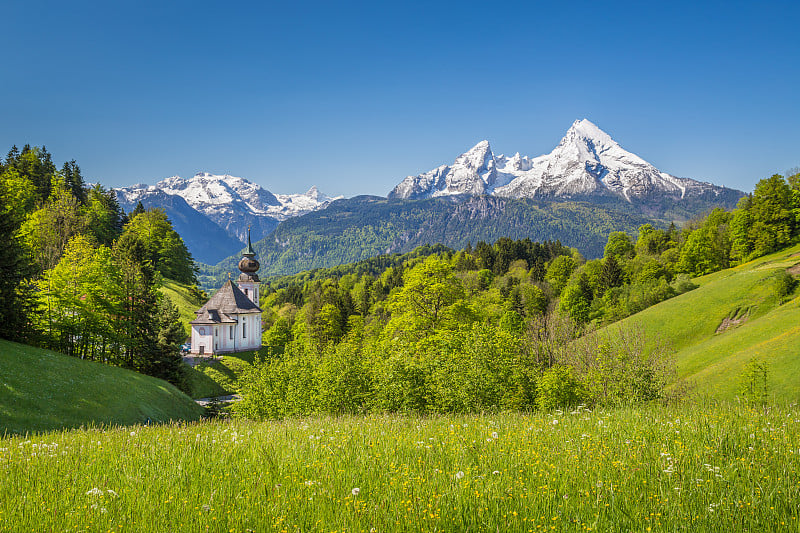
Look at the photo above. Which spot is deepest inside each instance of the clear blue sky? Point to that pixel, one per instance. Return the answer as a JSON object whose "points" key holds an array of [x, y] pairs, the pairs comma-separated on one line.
{"points": [[353, 97]]}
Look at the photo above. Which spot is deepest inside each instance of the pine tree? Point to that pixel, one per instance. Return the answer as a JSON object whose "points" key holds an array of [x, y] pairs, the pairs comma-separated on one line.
{"points": [[71, 173], [15, 268], [138, 210]]}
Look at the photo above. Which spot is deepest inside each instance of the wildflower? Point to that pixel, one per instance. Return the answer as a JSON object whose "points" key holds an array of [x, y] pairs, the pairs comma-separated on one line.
{"points": [[459, 474], [494, 434], [496, 472], [112, 493], [94, 492], [355, 491], [308, 482], [555, 422], [133, 433]]}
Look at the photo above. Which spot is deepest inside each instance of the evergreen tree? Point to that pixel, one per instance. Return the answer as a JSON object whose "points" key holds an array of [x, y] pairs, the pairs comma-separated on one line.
{"points": [[15, 293], [611, 275], [71, 173], [167, 362], [138, 210]]}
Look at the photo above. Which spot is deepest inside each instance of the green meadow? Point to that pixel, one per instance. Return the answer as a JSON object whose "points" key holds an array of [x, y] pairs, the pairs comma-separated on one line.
{"points": [[654, 468]]}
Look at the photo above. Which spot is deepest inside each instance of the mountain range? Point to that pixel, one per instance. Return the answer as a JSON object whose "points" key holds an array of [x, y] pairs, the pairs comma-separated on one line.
{"points": [[297, 231], [212, 212], [587, 162]]}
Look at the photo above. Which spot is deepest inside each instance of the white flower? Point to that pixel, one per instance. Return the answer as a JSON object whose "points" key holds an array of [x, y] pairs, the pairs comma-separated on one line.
{"points": [[355, 491], [555, 422], [494, 434], [459, 474], [496, 472], [112, 493], [94, 492], [308, 482], [133, 433]]}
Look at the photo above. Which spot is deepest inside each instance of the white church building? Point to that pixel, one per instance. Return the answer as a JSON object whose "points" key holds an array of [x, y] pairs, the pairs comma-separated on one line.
{"points": [[230, 321]]}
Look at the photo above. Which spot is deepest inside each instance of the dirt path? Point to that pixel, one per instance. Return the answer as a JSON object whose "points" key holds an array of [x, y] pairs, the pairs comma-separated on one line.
{"points": [[221, 399]]}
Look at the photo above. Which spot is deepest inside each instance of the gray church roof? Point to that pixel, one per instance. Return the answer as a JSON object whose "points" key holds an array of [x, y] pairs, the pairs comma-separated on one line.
{"points": [[228, 301]]}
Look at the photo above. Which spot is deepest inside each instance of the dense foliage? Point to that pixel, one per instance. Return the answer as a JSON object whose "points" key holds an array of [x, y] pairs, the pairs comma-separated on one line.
{"points": [[506, 325], [79, 275]]}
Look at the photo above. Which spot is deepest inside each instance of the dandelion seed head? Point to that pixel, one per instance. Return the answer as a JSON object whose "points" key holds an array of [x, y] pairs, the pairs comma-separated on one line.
{"points": [[355, 491]]}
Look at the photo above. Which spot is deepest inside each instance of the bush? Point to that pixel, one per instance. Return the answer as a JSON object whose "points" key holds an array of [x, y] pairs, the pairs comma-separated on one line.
{"points": [[558, 387], [784, 285]]}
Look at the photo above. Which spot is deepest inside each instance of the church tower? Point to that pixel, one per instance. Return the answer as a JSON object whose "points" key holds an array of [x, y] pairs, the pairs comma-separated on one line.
{"points": [[248, 281], [230, 321]]}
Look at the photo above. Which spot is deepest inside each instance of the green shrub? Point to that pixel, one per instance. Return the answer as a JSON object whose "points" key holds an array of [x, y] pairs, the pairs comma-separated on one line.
{"points": [[558, 387]]}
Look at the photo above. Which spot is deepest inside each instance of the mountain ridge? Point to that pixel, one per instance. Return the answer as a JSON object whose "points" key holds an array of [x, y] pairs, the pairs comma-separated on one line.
{"points": [[224, 207], [587, 162]]}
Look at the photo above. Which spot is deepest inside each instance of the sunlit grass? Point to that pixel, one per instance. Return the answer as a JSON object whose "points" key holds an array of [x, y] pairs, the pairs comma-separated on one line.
{"points": [[713, 361], [43, 390], [723, 468]]}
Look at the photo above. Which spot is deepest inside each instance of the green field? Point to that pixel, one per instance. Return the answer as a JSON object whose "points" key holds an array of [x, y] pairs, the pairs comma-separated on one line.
{"points": [[42, 390], [714, 362], [687, 468]]}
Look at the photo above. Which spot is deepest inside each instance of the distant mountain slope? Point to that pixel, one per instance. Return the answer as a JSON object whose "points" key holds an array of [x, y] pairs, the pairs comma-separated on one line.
{"points": [[586, 163], [367, 226], [714, 358], [41, 390], [206, 241], [223, 206]]}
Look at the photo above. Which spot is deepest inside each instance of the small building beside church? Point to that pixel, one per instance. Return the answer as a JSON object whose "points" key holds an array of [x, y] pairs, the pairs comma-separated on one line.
{"points": [[230, 321]]}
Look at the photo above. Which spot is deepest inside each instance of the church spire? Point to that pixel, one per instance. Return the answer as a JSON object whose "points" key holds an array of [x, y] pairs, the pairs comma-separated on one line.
{"points": [[249, 252], [248, 264]]}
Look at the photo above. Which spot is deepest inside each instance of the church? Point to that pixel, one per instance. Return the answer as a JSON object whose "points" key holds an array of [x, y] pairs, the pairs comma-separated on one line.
{"points": [[230, 321]]}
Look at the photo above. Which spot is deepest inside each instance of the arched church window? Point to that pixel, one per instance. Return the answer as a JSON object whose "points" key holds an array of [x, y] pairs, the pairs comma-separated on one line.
{"points": [[202, 331]]}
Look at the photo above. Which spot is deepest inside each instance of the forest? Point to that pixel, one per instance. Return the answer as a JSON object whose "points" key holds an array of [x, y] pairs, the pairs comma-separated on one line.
{"points": [[80, 276], [509, 325]]}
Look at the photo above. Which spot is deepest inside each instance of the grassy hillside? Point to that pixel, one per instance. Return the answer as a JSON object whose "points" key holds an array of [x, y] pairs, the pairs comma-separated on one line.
{"points": [[768, 327], [185, 299], [42, 390]]}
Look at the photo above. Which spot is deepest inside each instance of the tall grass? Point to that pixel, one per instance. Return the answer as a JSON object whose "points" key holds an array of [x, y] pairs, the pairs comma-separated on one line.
{"points": [[714, 468]]}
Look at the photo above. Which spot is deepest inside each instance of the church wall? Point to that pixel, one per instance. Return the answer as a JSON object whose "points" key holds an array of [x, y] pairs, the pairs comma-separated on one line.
{"points": [[205, 339]]}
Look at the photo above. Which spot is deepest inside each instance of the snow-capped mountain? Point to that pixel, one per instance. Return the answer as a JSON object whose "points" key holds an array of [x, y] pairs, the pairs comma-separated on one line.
{"points": [[232, 202], [214, 212], [587, 161]]}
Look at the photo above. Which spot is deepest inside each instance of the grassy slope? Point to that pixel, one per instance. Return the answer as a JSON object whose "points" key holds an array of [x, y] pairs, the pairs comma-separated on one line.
{"points": [[715, 361], [42, 390], [219, 377], [183, 299]]}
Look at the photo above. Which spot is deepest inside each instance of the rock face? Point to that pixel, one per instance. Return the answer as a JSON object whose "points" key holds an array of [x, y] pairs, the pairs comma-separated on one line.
{"points": [[587, 162], [228, 204]]}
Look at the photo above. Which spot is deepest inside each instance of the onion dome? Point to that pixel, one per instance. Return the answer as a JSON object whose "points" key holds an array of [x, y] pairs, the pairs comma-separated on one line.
{"points": [[248, 264]]}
